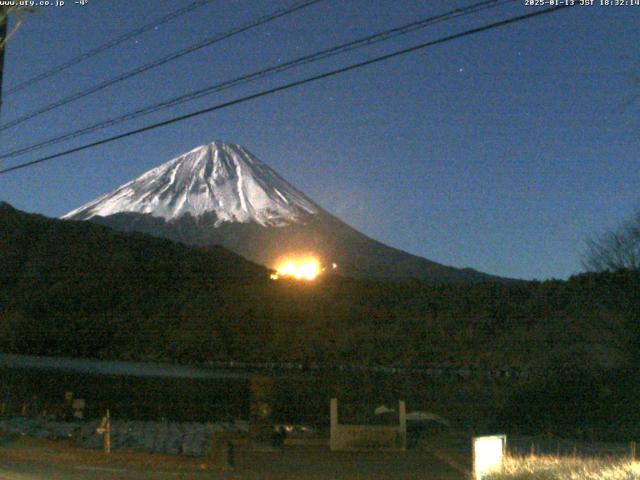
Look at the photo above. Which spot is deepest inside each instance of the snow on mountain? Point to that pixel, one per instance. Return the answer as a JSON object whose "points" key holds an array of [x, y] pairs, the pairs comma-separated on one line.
{"points": [[222, 178], [220, 194]]}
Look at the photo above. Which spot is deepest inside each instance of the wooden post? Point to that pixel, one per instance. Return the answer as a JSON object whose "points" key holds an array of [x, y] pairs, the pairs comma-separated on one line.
{"points": [[632, 448], [105, 430], [402, 410], [334, 423], [107, 435]]}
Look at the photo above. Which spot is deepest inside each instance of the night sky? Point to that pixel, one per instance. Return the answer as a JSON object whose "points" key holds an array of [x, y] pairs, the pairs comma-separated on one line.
{"points": [[502, 151]]}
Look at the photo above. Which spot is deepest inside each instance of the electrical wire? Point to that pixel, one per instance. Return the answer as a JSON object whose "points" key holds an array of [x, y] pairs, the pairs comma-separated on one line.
{"points": [[314, 78], [260, 74], [162, 61], [106, 46]]}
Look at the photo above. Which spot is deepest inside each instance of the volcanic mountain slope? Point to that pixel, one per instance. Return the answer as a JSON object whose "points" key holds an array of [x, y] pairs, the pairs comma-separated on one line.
{"points": [[224, 180], [221, 194]]}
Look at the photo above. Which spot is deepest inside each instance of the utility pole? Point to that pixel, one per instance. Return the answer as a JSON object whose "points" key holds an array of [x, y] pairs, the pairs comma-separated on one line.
{"points": [[3, 35]]}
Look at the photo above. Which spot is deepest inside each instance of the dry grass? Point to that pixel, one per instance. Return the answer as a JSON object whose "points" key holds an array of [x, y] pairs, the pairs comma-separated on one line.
{"points": [[567, 468]]}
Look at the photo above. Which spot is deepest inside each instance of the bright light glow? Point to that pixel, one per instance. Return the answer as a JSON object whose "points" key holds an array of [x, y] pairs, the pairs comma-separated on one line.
{"points": [[487, 455], [307, 268], [570, 468]]}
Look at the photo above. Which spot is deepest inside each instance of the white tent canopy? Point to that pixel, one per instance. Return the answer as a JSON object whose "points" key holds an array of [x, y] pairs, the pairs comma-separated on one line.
{"points": [[427, 417]]}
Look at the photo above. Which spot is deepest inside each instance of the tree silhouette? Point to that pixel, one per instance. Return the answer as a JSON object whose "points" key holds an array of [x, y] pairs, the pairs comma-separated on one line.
{"points": [[618, 249]]}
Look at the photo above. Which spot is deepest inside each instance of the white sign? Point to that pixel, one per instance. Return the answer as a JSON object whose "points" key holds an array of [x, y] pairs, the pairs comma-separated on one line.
{"points": [[487, 455]]}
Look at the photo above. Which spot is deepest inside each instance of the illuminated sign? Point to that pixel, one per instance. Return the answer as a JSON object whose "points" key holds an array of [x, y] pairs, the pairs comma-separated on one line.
{"points": [[487, 455]]}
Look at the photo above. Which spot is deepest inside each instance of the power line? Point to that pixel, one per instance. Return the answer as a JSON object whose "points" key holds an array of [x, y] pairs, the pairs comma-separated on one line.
{"points": [[106, 46], [321, 55], [290, 85], [166, 59]]}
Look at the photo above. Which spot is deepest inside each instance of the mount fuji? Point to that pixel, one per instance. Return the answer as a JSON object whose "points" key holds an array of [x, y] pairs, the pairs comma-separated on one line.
{"points": [[221, 194]]}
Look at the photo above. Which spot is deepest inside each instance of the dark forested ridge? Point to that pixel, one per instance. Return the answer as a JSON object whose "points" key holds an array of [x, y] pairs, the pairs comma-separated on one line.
{"points": [[82, 290], [326, 236], [79, 289]]}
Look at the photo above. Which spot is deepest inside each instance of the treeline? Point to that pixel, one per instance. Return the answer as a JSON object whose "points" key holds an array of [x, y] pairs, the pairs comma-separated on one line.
{"points": [[78, 289]]}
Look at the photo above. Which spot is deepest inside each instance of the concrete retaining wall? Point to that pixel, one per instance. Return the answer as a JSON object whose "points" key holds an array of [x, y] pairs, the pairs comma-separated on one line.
{"points": [[368, 437]]}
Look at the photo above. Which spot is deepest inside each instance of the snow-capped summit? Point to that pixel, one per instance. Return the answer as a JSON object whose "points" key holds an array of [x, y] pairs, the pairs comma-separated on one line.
{"points": [[221, 178], [220, 194]]}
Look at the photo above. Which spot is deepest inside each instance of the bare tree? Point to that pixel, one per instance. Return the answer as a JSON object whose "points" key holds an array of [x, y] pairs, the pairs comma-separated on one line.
{"points": [[615, 250]]}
